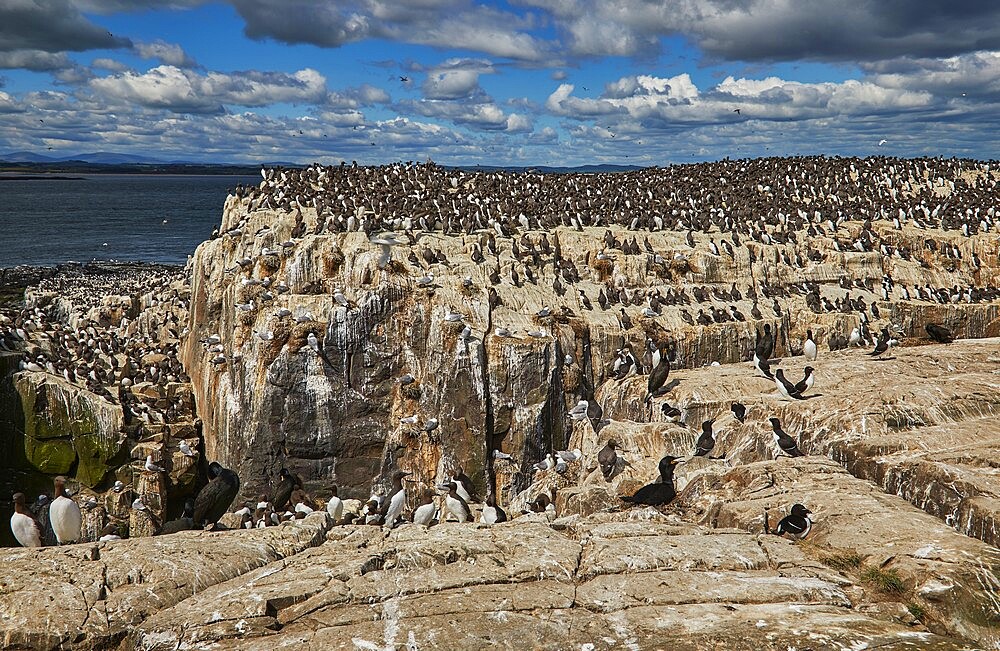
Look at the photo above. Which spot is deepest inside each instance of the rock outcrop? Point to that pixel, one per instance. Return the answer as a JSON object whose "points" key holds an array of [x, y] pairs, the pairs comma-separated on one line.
{"points": [[273, 277], [89, 596]]}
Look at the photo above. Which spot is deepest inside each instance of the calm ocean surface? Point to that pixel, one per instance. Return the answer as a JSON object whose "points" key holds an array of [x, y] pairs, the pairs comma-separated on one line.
{"points": [[47, 222]]}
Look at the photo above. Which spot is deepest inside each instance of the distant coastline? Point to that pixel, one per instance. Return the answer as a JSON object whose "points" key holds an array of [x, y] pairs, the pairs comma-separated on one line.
{"points": [[63, 171], [38, 177]]}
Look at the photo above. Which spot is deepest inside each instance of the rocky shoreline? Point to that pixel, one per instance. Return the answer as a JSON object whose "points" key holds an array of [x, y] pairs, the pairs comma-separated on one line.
{"points": [[302, 337]]}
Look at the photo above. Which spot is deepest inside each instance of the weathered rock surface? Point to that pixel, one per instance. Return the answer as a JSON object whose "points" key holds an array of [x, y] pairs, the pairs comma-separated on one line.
{"points": [[87, 596], [280, 400], [922, 425], [627, 580]]}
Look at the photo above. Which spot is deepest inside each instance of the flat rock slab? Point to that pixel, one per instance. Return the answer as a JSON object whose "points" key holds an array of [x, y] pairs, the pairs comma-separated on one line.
{"points": [[954, 579], [87, 596], [525, 584]]}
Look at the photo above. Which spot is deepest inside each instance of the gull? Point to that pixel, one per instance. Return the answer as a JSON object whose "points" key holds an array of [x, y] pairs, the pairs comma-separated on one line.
{"points": [[453, 317], [245, 307], [544, 312], [570, 456], [313, 342], [338, 296], [138, 505], [882, 142], [265, 336], [497, 454], [185, 449], [266, 252], [537, 333], [386, 241], [410, 420], [431, 425], [150, 466], [425, 281], [118, 487], [407, 379], [504, 332], [579, 412], [305, 317], [283, 312], [546, 464]]}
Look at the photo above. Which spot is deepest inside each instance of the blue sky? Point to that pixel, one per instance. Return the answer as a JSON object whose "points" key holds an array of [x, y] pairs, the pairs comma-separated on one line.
{"points": [[523, 82]]}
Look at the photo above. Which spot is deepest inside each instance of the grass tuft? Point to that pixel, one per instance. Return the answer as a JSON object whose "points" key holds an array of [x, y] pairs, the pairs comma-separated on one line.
{"points": [[916, 610], [843, 561], [887, 581]]}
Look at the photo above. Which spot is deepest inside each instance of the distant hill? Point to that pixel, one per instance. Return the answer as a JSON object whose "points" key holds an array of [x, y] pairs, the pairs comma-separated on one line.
{"points": [[99, 158], [103, 162]]}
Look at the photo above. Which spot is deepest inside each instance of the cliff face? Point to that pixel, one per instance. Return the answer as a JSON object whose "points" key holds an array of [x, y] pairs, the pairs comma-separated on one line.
{"points": [[277, 402]]}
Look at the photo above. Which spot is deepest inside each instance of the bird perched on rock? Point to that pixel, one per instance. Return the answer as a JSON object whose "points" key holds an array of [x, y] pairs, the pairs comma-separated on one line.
{"points": [[881, 345], [213, 500], [806, 382], [809, 347], [313, 341], [785, 442], [608, 459], [335, 505], [706, 442], [658, 376], [26, 529], [939, 333], [454, 503], [150, 466], [283, 491], [796, 524], [64, 514], [465, 486], [785, 388], [659, 493], [424, 513], [670, 413], [739, 411], [392, 505], [185, 449], [492, 514]]}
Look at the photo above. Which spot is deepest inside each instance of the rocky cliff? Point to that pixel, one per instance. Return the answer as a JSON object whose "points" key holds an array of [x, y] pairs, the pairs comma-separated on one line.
{"points": [[503, 377]]}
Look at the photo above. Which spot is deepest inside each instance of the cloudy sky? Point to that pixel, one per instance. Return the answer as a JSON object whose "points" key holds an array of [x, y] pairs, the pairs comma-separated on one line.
{"points": [[521, 82]]}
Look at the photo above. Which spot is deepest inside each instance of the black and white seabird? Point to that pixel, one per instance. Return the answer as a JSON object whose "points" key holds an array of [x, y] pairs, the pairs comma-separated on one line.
{"points": [[806, 382], [392, 505], [335, 505], [659, 493], [64, 514], [465, 486], [658, 376], [739, 411], [882, 345], [213, 500], [23, 524], [785, 442], [785, 388], [424, 513], [492, 513], [796, 524], [454, 503], [809, 347], [608, 459], [706, 442]]}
